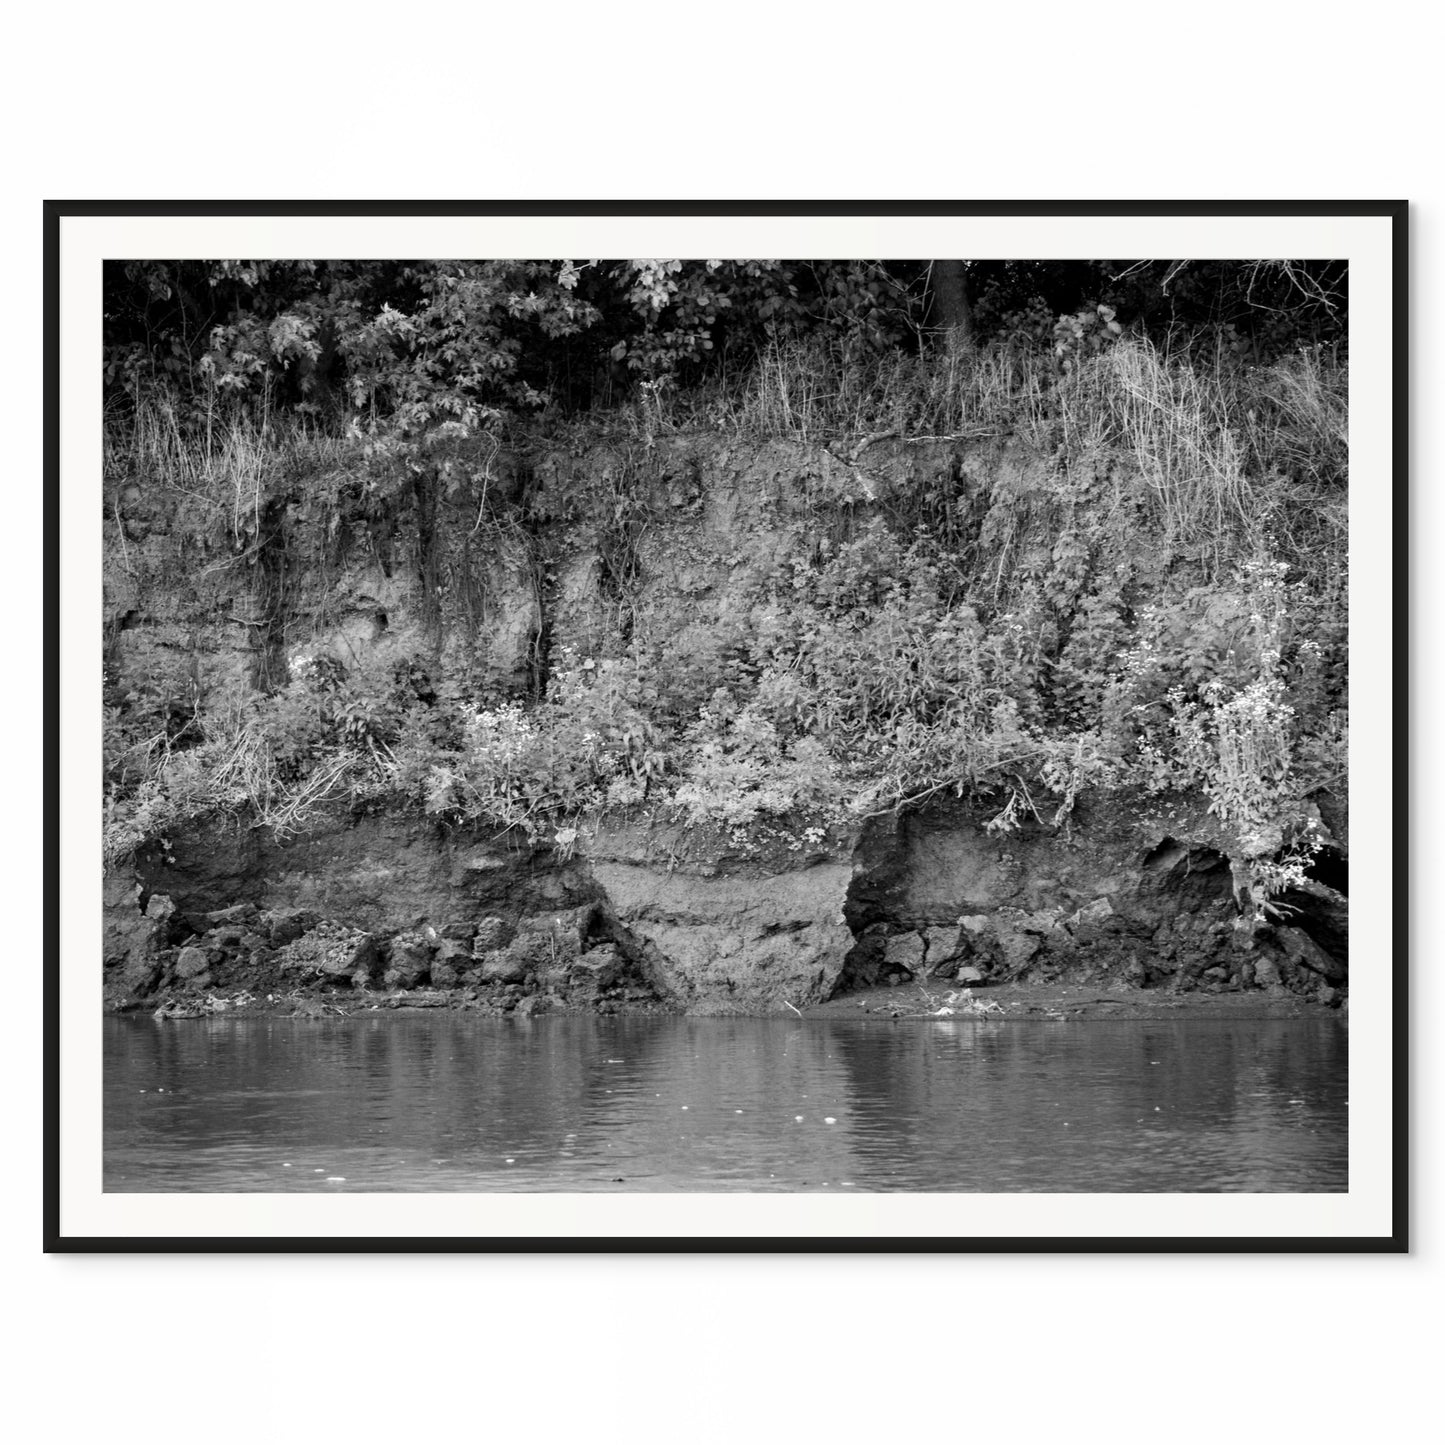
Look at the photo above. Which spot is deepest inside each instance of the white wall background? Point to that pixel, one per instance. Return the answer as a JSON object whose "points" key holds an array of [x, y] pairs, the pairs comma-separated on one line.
{"points": [[670, 101]]}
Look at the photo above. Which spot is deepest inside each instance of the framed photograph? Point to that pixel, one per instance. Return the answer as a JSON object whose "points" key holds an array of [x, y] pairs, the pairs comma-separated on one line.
{"points": [[796, 742]]}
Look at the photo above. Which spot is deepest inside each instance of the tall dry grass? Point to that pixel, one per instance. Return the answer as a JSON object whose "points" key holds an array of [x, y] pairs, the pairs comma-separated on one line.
{"points": [[224, 457], [232, 772], [1177, 427], [821, 389], [1220, 454]]}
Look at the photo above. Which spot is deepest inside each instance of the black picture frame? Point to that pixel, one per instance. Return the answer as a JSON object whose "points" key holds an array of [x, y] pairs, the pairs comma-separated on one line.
{"points": [[59, 574]]}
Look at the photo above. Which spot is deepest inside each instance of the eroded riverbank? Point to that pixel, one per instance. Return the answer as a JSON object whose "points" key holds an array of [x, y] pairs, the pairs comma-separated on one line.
{"points": [[678, 853], [1131, 907]]}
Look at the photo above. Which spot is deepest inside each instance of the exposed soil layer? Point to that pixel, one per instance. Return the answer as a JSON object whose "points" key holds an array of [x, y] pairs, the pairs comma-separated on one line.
{"points": [[1130, 909], [1129, 898]]}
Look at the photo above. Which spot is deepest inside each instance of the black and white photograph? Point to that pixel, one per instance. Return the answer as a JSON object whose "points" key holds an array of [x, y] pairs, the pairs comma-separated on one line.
{"points": [[722, 723], [714, 732]]}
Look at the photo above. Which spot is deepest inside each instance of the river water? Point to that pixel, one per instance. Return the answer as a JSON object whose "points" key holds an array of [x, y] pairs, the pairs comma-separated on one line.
{"points": [[440, 1102]]}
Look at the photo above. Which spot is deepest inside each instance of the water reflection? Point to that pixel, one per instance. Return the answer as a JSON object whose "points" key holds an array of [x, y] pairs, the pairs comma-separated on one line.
{"points": [[451, 1102]]}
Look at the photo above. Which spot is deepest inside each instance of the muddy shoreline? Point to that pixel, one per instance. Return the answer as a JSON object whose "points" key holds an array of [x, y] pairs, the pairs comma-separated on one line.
{"points": [[997, 1004], [1075, 1003]]}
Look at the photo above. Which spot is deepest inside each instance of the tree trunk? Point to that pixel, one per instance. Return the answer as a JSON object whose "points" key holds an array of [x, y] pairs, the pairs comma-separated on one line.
{"points": [[952, 311]]}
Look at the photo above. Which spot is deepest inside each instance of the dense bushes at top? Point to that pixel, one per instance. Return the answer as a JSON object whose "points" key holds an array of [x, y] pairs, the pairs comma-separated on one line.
{"points": [[417, 343]]}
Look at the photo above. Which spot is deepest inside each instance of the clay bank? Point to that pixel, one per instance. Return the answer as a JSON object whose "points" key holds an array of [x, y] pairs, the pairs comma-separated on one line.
{"points": [[908, 915], [781, 768]]}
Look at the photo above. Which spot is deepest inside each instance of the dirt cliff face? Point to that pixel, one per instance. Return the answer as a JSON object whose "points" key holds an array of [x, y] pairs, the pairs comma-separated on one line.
{"points": [[728, 932], [658, 918], [652, 918], [1135, 892], [634, 912]]}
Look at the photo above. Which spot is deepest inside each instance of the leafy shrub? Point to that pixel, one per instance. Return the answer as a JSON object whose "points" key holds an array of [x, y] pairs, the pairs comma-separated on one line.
{"points": [[737, 769]]}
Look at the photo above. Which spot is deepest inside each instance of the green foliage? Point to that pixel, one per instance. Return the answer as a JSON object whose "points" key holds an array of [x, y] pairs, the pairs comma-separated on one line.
{"points": [[589, 745], [416, 342], [1084, 333]]}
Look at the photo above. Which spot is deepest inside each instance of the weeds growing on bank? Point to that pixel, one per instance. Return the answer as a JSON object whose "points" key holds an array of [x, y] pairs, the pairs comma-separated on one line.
{"points": [[1163, 611], [1225, 449], [224, 461]]}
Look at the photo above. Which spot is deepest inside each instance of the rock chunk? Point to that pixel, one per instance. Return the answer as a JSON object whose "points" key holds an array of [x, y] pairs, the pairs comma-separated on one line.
{"points": [[408, 961], [146, 939], [905, 950], [1302, 950], [192, 962], [333, 951], [286, 925], [142, 972], [491, 933], [1086, 921], [508, 965], [565, 930], [944, 946], [599, 968], [1266, 970], [159, 908], [453, 958]]}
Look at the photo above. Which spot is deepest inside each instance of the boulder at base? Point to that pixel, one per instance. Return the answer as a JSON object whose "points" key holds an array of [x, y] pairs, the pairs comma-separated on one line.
{"points": [[408, 961]]}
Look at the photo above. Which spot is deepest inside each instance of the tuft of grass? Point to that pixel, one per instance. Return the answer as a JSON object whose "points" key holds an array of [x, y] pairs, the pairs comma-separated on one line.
{"points": [[1221, 454], [1176, 426], [823, 389], [224, 457], [233, 772]]}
